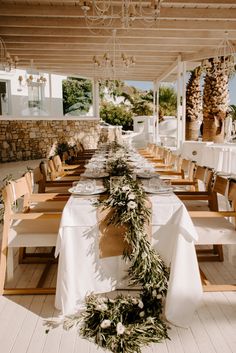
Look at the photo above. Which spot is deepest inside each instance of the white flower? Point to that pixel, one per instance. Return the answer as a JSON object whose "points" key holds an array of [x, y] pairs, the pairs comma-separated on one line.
{"points": [[101, 307], [154, 293], [159, 296], [140, 304], [131, 205], [150, 319], [135, 301], [120, 329], [105, 323], [142, 314], [131, 196], [125, 188], [144, 255]]}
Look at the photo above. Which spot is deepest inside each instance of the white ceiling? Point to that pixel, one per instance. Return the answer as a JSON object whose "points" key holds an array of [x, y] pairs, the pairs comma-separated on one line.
{"points": [[54, 35]]}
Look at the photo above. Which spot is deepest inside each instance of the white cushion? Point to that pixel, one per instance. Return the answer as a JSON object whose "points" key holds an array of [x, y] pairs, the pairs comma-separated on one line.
{"points": [[34, 233], [215, 231]]}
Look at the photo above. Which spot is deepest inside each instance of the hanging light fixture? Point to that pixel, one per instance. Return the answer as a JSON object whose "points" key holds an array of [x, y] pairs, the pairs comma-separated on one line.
{"points": [[113, 60], [224, 58], [32, 78], [107, 13], [7, 62]]}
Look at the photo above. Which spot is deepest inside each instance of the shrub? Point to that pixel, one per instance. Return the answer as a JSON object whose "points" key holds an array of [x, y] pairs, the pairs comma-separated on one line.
{"points": [[116, 115]]}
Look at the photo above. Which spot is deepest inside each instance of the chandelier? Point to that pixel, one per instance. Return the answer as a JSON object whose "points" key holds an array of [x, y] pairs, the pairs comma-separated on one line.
{"points": [[112, 60], [223, 61], [106, 13], [31, 81], [7, 63]]}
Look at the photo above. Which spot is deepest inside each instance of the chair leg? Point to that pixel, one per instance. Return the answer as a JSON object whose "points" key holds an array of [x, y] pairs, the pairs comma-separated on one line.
{"points": [[218, 249], [211, 254], [10, 264]]}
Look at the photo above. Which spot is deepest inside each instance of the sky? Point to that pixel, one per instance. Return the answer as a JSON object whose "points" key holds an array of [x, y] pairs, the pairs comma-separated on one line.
{"points": [[149, 85]]}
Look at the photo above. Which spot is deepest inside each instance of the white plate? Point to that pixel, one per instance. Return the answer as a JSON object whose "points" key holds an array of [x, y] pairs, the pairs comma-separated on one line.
{"points": [[98, 190], [95, 176], [156, 191], [147, 176]]}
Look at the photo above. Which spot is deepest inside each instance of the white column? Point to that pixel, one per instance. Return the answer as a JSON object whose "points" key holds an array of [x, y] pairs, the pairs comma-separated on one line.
{"points": [[50, 93], [156, 109], [154, 112], [179, 113], [96, 99], [183, 100]]}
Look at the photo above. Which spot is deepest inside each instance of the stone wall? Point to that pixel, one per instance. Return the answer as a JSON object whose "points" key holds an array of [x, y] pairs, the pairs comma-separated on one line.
{"points": [[33, 139]]}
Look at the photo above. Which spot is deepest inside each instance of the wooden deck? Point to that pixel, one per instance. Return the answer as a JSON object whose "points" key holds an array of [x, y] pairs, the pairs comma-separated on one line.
{"points": [[22, 319]]}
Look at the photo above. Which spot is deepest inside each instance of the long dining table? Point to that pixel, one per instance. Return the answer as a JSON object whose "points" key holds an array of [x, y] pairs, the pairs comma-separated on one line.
{"points": [[81, 271]]}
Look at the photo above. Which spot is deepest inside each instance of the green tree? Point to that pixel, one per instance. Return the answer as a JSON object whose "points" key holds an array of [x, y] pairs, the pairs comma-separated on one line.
{"points": [[116, 115], [167, 100], [232, 111], [77, 95], [142, 107]]}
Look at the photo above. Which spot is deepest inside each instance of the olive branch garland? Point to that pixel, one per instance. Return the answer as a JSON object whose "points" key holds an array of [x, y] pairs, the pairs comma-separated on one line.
{"points": [[125, 324]]}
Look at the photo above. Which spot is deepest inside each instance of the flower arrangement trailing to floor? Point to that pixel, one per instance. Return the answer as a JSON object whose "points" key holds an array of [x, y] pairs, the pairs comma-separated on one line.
{"points": [[125, 324]]}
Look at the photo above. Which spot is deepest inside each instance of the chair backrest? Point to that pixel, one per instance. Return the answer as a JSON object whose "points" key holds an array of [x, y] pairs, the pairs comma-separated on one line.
{"points": [[188, 168], [57, 163], [14, 191], [221, 185], [53, 174], [205, 176], [176, 161], [167, 156], [232, 193]]}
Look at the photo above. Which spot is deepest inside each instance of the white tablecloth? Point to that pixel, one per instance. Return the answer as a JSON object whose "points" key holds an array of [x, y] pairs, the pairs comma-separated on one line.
{"points": [[81, 271], [193, 150]]}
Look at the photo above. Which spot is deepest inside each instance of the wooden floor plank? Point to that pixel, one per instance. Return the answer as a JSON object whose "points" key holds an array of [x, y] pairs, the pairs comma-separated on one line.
{"points": [[82, 345], [187, 340], [68, 340], [215, 335], [28, 327], [200, 335], [174, 345], [53, 337], [14, 324], [222, 322], [39, 336]]}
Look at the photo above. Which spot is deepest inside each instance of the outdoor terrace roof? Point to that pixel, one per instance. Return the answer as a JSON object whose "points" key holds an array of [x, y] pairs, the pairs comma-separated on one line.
{"points": [[54, 34]]}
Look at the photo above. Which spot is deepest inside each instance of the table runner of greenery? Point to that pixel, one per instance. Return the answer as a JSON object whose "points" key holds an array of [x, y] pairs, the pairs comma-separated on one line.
{"points": [[126, 323]]}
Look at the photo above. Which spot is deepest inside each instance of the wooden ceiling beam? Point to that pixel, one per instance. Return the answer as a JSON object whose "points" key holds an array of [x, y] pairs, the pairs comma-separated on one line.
{"points": [[202, 54], [101, 49], [59, 11], [10, 41], [10, 32], [190, 24]]}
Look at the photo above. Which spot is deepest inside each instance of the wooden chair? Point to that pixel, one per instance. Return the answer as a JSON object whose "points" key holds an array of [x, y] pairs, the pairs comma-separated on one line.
{"points": [[41, 202], [24, 229], [51, 174], [64, 168], [148, 151], [44, 185], [183, 170], [214, 227], [200, 178]]}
